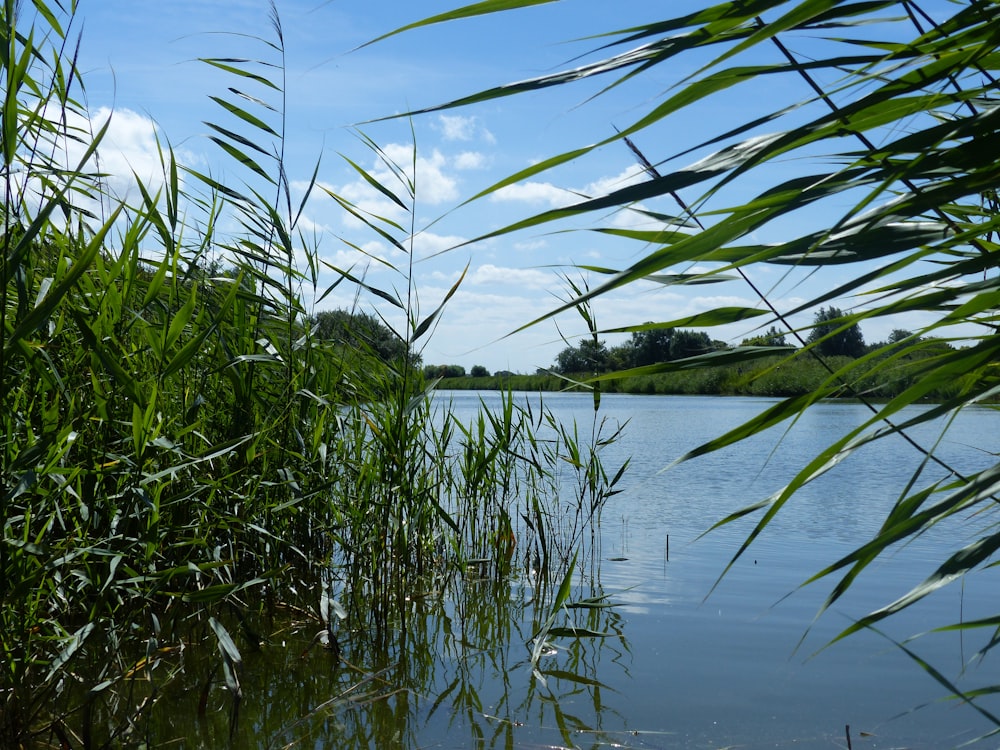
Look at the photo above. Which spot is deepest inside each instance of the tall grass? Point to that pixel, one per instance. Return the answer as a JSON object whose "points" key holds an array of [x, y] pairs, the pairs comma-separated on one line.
{"points": [[181, 456]]}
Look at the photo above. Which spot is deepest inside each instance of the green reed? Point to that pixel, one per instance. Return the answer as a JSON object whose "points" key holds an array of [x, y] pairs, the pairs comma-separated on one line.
{"points": [[182, 458]]}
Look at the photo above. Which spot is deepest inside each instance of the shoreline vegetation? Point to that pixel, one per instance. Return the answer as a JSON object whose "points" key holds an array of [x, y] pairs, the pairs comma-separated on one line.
{"points": [[776, 376], [196, 467], [659, 359]]}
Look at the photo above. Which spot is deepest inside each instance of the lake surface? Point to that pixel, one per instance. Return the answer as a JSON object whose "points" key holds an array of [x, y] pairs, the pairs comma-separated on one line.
{"points": [[687, 660], [744, 664]]}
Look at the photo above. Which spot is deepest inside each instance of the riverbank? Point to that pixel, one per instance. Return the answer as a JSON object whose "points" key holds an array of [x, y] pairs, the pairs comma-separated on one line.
{"points": [[778, 376]]}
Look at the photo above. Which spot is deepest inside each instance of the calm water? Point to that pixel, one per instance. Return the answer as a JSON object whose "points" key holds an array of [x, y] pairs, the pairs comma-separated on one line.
{"points": [[691, 661], [743, 664]]}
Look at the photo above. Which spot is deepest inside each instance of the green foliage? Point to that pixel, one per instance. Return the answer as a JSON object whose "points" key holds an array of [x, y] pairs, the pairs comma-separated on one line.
{"points": [[650, 345], [771, 337], [832, 337], [587, 356], [444, 371], [897, 336], [361, 332], [539, 382], [770, 376], [183, 448], [685, 344]]}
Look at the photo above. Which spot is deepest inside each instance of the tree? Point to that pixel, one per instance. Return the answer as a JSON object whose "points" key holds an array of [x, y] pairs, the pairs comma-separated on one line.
{"points": [[771, 337], [478, 371], [654, 345], [686, 344], [362, 331], [620, 356], [898, 335], [587, 356], [833, 337], [651, 346], [444, 371]]}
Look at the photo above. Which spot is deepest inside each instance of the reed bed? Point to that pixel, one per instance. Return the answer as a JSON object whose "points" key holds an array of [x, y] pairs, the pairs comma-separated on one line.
{"points": [[182, 458]]}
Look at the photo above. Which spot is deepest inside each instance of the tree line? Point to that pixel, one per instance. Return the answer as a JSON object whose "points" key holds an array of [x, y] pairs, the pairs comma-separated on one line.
{"points": [[829, 335]]}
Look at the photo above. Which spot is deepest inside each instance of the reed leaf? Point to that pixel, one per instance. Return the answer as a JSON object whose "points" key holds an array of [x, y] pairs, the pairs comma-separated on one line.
{"points": [[896, 143], [232, 660], [477, 9]]}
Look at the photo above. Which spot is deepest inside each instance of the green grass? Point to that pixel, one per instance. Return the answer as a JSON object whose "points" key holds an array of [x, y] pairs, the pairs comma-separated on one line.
{"points": [[182, 456]]}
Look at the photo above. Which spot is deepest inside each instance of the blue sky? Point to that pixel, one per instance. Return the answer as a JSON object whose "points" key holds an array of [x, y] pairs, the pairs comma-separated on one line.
{"points": [[139, 60]]}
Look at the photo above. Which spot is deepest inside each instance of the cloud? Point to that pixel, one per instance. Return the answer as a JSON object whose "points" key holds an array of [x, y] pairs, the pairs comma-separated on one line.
{"points": [[370, 258], [471, 160], [428, 243], [130, 150], [523, 278], [456, 127], [637, 216], [459, 128], [434, 184], [309, 227], [631, 175], [549, 194], [536, 193]]}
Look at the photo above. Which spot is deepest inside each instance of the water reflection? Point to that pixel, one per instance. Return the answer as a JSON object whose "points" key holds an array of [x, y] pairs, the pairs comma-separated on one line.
{"points": [[678, 668], [459, 675]]}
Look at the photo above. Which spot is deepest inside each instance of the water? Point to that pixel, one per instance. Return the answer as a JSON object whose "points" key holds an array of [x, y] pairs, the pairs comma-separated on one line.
{"points": [[691, 659], [744, 660]]}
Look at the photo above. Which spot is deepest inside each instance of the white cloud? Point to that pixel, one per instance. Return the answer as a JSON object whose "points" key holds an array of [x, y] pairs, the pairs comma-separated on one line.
{"points": [[495, 315], [635, 217], [535, 192], [522, 278], [326, 214], [442, 277], [557, 197], [459, 128], [456, 127], [309, 227], [370, 257], [434, 185], [423, 245], [129, 146], [428, 243], [631, 175], [471, 160], [128, 151]]}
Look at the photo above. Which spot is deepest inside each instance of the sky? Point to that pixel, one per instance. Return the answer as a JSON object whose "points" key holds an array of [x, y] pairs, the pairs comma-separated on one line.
{"points": [[139, 61]]}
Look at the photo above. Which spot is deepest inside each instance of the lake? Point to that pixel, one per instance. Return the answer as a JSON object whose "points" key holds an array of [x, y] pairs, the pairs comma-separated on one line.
{"points": [[684, 659], [743, 664]]}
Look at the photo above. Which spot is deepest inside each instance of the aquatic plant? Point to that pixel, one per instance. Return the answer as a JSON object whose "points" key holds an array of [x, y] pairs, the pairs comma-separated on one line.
{"points": [[182, 459]]}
